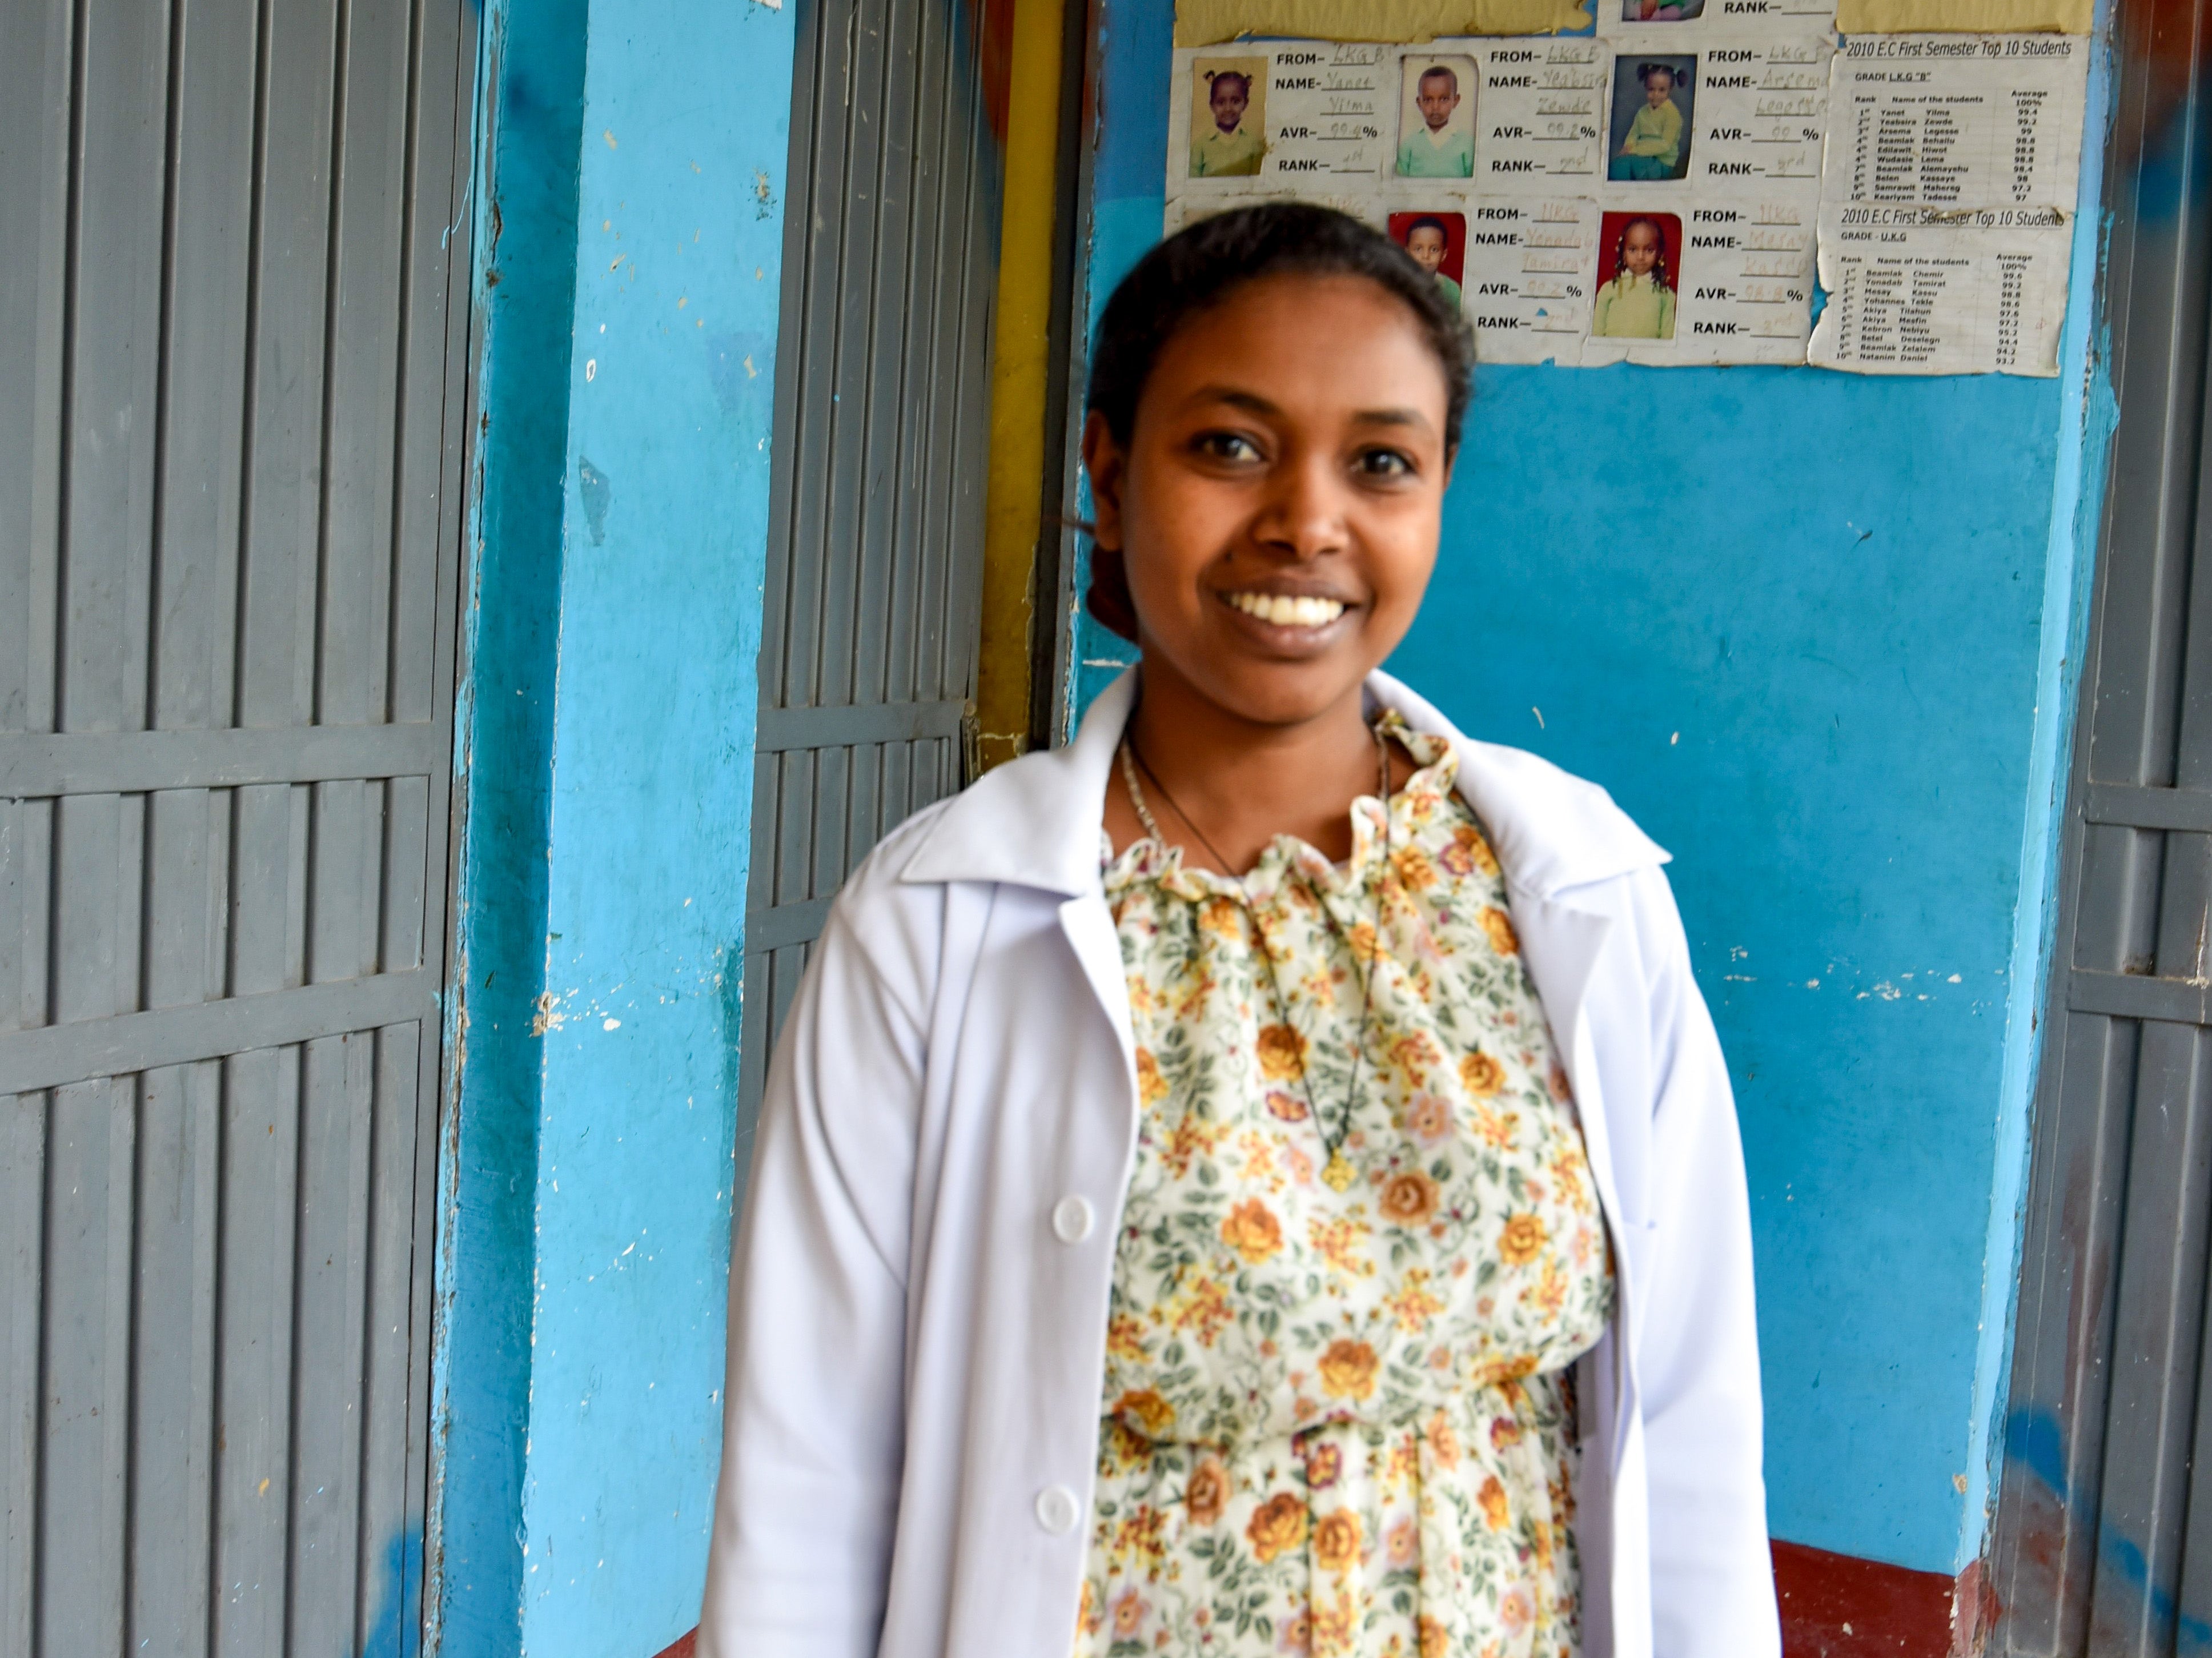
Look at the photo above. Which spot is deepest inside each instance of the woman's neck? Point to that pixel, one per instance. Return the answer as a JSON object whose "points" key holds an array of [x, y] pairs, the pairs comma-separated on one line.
{"points": [[1223, 786]]}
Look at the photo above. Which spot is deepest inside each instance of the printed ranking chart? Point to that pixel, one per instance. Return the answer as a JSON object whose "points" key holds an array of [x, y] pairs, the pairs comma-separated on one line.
{"points": [[1918, 291], [1956, 120], [1674, 191]]}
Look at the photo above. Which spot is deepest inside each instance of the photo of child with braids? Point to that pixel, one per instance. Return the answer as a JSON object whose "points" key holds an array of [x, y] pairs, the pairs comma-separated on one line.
{"points": [[1437, 242], [1228, 117], [1652, 103], [1640, 267]]}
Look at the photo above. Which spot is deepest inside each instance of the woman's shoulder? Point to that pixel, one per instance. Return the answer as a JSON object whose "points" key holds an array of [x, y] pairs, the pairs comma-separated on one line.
{"points": [[1552, 830]]}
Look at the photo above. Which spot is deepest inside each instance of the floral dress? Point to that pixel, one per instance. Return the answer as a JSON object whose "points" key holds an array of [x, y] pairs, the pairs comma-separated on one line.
{"points": [[1340, 1422]]}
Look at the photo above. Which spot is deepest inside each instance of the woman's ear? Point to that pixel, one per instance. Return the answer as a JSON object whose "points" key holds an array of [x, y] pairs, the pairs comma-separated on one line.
{"points": [[1108, 464]]}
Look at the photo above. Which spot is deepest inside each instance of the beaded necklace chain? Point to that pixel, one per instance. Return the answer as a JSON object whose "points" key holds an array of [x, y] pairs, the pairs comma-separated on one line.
{"points": [[1338, 1172]]}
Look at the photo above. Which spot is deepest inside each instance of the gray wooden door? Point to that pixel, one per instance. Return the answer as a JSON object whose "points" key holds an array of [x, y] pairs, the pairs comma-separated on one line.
{"points": [[882, 427], [233, 331], [2104, 1541]]}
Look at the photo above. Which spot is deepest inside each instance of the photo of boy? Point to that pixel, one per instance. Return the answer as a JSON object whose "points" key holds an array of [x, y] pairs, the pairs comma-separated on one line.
{"points": [[1661, 11], [1227, 116], [1437, 242], [1436, 131], [1637, 301], [1651, 107]]}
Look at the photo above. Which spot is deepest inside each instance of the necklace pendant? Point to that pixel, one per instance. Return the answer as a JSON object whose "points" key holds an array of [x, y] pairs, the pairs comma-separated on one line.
{"points": [[1340, 1173]]}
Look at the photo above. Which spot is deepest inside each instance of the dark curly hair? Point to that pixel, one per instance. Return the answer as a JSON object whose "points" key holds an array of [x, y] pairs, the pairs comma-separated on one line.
{"points": [[1201, 265]]}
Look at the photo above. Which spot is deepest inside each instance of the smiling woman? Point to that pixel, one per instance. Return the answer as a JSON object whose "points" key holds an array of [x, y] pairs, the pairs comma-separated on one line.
{"points": [[1261, 1178]]}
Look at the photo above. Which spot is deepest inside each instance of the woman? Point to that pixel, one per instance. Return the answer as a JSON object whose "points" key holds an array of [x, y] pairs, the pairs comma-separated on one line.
{"points": [[1261, 1179]]}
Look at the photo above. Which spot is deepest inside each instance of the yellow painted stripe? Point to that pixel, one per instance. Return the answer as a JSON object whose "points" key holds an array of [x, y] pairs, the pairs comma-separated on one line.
{"points": [[1013, 507]]}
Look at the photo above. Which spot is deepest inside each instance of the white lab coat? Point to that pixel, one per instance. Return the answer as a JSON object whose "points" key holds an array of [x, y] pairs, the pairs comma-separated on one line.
{"points": [[919, 1292]]}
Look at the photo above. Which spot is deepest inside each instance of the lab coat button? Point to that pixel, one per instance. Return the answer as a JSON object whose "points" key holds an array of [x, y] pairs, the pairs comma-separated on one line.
{"points": [[1071, 1219], [1055, 1509]]}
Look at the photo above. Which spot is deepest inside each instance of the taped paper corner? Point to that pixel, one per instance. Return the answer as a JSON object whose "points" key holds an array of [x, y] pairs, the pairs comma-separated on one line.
{"points": [[1210, 22], [1964, 16]]}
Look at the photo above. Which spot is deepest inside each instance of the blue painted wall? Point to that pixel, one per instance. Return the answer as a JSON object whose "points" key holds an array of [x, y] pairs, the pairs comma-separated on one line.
{"points": [[1819, 647], [630, 253]]}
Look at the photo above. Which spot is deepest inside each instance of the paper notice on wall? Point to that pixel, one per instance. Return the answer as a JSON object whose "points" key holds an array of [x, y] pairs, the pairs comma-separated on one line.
{"points": [[1210, 22], [1650, 25], [1963, 16], [1957, 120], [1540, 113], [1913, 290], [1947, 202]]}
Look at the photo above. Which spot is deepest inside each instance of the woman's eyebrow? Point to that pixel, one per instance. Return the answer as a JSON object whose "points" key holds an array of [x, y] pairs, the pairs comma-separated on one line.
{"points": [[1253, 403]]}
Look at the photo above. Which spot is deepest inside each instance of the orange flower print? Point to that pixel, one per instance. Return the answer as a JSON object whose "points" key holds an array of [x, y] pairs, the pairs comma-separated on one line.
{"points": [[1409, 1199], [1480, 1075], [1415, 871], [1203, 1309], [1282, 1053], [1298, 1634], [1145, 1412], [1277, 1526], [1207, 1492], [1361, 938], [1324, 1466], [1414, 1306], [1499, 926], [1443, 1441], [1130, 1612], [1125, 1338], [1152, 1087], [1504, 1432], [1562, 1090], [1121, 1447], [1090, 1616], [1336, 1540], [1491, 1497], [1414, 1052], [1468, 852], [1498, 1128], [1402, 1543], [1429, 1118], [1435, 1638], [1223, 917], [1347, 1368], [1521, 1240], [1287, 1107], [1252, 1231]]}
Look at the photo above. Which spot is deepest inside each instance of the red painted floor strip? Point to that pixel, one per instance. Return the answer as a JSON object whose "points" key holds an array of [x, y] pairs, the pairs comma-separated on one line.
{"points": [[1834, 1606], [1838, 1606]]}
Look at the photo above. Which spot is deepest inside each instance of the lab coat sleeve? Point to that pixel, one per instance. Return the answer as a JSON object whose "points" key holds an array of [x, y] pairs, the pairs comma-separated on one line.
{"points": [[1712, 1582], [812, 1430]]}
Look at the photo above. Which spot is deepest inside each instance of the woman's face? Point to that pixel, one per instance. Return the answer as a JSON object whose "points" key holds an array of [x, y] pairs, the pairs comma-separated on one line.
{"points": [[1640, 250], [1278, 505], [1657, 86]]}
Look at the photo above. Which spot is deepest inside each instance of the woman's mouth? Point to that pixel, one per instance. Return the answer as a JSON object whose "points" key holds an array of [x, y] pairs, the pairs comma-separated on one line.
{"points": [[1288, 610]]}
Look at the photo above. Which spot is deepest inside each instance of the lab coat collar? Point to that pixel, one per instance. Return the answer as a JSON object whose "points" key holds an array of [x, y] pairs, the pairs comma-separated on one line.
{"points": [[1035, 823]]}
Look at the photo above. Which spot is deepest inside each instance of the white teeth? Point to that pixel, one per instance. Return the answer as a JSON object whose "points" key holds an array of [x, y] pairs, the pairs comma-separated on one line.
{"points": [[1286, 611]]}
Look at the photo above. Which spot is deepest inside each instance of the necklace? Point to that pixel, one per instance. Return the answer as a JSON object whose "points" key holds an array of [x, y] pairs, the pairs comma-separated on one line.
{"points": [[1338, 1172]]}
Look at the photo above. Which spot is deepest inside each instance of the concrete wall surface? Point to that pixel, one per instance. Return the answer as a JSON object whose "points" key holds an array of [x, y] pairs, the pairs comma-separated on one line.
{"points": [[630, 238], [1819, 639]]}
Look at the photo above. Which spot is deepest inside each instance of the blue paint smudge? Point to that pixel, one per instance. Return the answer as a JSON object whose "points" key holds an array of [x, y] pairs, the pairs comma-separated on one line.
{"points": [[395, 1632]]}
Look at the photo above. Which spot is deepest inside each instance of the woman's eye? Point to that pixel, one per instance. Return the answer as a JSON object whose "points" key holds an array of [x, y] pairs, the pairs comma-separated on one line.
{"points": [[1227, 445], [1386, 463]]}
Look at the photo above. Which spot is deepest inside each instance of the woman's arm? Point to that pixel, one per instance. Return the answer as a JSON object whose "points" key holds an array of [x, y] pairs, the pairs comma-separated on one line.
{"points": [[813, 1429], [1713, 1583]]}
